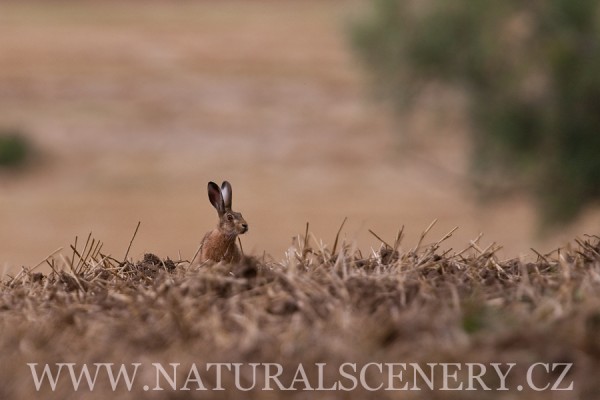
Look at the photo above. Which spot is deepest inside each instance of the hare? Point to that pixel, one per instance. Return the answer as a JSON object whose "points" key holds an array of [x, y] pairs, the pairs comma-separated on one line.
{"points": [[219, 244]]}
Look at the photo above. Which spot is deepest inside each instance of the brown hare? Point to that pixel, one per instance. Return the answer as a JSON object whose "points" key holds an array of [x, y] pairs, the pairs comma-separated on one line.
{"points": [[219, 244]]}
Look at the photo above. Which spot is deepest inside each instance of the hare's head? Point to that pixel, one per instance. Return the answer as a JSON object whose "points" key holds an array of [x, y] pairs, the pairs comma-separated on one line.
{"points": [[231, 223]]}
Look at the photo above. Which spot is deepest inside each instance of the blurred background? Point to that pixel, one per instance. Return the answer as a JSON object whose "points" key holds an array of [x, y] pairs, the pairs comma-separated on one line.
{"points": [[117, 112]]}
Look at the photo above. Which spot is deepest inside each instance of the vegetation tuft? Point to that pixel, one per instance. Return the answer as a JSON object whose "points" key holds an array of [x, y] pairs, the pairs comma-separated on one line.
{"points": [[333, 305], [14, 148]]}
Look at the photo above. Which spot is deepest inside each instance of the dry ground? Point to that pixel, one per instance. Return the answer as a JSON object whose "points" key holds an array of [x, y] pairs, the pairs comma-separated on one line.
{"points": [[134, 106], [423, 305]]}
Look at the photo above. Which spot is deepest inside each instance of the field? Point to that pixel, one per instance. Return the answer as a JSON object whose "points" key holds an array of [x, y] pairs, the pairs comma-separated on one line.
{"points": [[134, 109], [133, 106], [323, 304]]}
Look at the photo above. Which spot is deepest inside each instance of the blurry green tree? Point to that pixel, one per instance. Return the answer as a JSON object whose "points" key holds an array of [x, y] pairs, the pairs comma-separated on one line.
{"points": [[531, 70], [14, 148]]}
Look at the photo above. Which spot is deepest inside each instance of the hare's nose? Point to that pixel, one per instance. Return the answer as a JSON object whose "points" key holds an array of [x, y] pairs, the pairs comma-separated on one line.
{"points": [[245, 226]]}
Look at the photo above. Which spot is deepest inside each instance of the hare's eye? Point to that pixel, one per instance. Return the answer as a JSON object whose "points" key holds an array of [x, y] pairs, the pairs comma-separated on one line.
{"points": [[230, 217]]}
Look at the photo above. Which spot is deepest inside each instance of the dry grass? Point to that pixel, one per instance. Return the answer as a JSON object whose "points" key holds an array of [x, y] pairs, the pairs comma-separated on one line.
{"points": [[321, 304]]}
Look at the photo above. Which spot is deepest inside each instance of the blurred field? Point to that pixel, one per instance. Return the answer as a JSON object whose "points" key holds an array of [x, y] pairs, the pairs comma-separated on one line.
{"points": [[135, 106]]}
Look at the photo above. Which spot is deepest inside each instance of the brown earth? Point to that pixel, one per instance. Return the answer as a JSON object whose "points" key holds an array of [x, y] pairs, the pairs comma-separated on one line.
{"points": [[135, 106], [424, 306]]}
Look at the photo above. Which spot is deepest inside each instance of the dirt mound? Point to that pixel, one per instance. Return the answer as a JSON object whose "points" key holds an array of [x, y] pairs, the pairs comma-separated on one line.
{"points": [[320, 305]]}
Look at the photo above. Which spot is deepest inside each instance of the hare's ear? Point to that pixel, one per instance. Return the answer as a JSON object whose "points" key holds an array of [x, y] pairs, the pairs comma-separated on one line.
{"points": [[214, 195], [227, 193]]}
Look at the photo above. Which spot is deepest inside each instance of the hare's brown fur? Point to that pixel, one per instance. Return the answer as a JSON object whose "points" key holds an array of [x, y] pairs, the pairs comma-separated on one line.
{"points": [[218, 247], [219, 244]]}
